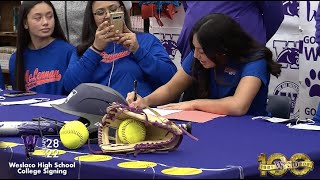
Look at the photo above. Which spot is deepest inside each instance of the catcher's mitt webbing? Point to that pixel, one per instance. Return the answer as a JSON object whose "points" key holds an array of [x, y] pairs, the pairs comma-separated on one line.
{"points": [[161, 133], [183, 127]]}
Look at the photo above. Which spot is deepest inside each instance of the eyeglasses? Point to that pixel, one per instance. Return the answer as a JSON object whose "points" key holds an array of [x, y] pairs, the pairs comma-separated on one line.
{"points": [[112, 9]]}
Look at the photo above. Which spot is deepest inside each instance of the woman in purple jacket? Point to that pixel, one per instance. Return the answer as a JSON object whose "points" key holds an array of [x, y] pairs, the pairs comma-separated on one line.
{"points": [[318, 26], [260, 19]]}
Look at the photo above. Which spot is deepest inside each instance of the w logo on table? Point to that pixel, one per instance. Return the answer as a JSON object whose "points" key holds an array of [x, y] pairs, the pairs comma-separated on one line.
{"points": [[30, 142]]}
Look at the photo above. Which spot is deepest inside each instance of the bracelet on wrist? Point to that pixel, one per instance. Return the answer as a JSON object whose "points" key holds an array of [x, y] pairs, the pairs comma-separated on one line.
{"points": [[100, 51]]}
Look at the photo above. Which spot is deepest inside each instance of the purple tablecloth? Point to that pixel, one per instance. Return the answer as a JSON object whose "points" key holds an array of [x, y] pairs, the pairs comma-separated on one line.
{"points": [[223, 142]]}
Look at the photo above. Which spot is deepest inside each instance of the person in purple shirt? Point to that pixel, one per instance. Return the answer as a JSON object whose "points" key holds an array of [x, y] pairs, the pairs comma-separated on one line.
{"points": [[261, 19], [230, 70], [317, 34]]}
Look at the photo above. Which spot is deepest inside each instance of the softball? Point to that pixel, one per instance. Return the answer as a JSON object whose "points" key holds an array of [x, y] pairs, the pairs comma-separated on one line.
{"points": [[74, 134], [131, 131]]}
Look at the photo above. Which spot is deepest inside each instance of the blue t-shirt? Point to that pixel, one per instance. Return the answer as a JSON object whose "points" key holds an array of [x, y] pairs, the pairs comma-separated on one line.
{"points": [[224, 83], [45, 67], [1, 79]]}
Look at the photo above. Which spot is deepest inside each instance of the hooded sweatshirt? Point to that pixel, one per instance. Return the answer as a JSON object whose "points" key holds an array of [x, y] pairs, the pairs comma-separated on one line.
{"points": [[117, 68]]}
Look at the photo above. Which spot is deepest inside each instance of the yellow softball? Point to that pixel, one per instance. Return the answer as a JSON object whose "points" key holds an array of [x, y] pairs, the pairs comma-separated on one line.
{"points": [[74, 134], [131, 131]]}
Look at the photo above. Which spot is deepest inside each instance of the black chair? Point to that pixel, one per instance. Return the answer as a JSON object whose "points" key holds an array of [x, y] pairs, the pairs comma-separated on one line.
{"points": [[279, 106]]}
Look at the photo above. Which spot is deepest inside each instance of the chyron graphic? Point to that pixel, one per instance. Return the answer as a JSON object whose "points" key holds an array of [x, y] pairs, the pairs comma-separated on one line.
{"points": [[290, 89], [291, 8], [314, 86]]}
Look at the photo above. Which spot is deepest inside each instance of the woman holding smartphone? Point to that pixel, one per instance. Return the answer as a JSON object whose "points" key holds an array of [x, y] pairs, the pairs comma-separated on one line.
{"points": [[116, 59]]}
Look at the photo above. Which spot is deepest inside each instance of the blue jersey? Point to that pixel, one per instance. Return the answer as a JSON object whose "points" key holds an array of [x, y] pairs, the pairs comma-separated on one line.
{"points": [[45, 67], [1, 79], [117, 68], [223, 83]]}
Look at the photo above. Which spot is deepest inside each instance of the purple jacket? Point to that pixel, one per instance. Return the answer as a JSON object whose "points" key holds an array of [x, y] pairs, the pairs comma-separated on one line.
{"points": [[260, 19], [317, 18]]}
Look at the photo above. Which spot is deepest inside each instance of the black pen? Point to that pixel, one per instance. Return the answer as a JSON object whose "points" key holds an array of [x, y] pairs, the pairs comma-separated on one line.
{"points": [[135, 84]]}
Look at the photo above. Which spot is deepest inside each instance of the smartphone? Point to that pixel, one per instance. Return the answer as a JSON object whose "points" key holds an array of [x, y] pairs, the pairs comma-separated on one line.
{"points": [[116, 19], [19, 93]]}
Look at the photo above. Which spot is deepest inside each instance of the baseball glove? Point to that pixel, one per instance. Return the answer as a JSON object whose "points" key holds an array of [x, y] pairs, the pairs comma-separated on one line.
{"points": [[161, 133]]}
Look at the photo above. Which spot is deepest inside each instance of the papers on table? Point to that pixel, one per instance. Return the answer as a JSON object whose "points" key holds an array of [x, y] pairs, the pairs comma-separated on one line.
{"points": [[272, 119], [305, 127], [192, 116], [48, 103], [162, 112], [27, 101], [305, 124]]}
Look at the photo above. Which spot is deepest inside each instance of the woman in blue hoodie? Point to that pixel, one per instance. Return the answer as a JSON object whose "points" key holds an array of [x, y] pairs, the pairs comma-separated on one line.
{"points": [[117, 59]]}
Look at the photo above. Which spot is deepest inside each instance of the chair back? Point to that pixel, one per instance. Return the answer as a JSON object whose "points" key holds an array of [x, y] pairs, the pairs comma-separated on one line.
{"points": [[279, 106]]}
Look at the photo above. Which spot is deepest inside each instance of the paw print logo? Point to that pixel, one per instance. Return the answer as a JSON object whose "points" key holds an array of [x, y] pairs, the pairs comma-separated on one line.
{"points": [[315, 88]]}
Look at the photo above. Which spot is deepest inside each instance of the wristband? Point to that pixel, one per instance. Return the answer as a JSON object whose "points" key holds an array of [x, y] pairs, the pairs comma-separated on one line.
{"points": [[100, 51]]}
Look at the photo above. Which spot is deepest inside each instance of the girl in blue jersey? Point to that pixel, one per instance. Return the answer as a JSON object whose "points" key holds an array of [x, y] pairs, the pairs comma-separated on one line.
{"points": [[230, 71], [43, 52], [117, 59]]}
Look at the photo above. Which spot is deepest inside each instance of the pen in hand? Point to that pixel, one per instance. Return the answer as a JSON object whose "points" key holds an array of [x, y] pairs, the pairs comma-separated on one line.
{"points": [[135, 84]]}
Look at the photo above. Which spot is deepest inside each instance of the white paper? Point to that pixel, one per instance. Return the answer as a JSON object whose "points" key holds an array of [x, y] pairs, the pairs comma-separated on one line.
{"points": [[48, 104], [271, 119], [27, 101], [305, 127], [162, 112]]}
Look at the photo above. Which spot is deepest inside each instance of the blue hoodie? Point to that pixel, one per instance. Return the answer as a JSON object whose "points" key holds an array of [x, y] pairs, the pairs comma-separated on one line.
{"points": [[1, 79], [45, 67], [150, 65]]}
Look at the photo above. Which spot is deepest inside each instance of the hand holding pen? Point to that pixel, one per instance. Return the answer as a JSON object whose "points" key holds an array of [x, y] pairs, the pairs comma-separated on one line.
{"points": [[133, 99]]}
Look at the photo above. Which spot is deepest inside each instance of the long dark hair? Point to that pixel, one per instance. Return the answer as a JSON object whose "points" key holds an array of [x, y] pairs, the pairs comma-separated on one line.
{"points": [[218, 33], [24, 39], [89, 27]]}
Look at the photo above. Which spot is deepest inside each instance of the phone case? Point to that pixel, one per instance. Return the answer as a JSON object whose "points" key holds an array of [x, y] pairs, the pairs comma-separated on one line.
{"points": [[117, 20]]}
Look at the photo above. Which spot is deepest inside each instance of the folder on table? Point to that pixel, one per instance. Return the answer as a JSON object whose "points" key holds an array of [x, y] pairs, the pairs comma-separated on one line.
{"points": [[192, 116]]}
